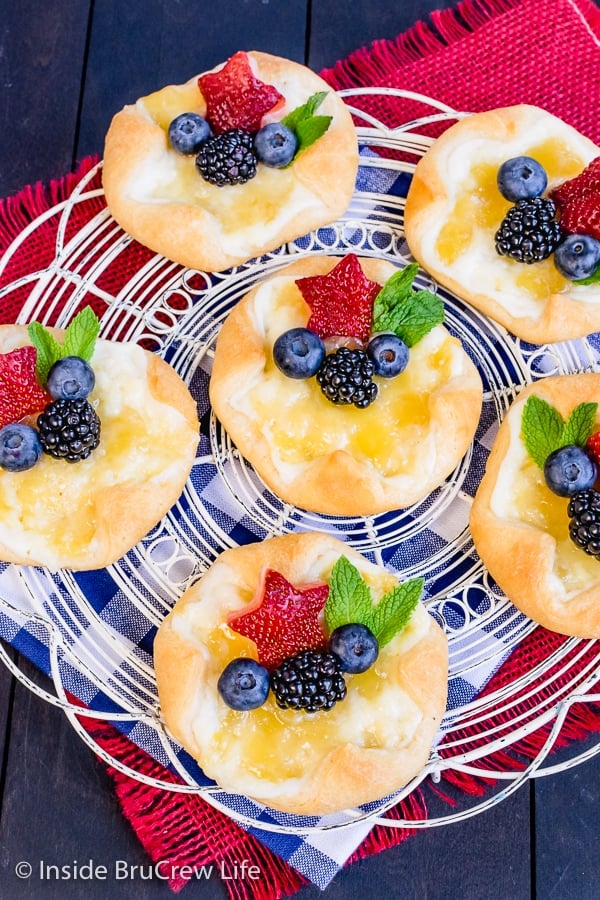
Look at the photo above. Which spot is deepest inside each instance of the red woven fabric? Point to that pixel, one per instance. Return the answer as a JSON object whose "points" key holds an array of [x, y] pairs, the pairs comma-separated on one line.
{"points": [[482, 54]]}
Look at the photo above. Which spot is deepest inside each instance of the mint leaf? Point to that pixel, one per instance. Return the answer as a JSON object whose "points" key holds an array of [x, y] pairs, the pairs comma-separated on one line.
{"points": [[580, 425], [81, 334], [48, 349], [79, 340], [349, 597], [310, 130], [307, 127], [305, 111], [394, 610], [409, 314], [541, 428]]}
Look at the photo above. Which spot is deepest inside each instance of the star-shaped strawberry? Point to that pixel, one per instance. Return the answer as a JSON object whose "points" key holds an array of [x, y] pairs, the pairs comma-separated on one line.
{"points": [[282, 619], [578, 201], [341, 302], [235, 97], [20, 392]]}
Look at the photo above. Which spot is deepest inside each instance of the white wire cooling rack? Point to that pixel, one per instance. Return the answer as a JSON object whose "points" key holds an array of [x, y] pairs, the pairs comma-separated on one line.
{"points": [[178, 313]]}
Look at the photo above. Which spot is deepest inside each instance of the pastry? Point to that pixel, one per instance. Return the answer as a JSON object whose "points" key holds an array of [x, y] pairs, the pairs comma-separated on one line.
{"points": [[522, 527], [326, 456], [368, 743], [455, 208], [159, 197], [82, 506]]}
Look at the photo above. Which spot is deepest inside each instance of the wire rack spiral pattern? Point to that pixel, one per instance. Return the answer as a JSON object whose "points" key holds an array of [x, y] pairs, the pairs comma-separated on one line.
{"points": [[178, 313]]}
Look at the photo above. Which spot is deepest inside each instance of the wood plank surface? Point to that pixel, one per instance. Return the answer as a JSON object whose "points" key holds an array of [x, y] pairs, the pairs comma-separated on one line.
{"points": [[67, 66]]}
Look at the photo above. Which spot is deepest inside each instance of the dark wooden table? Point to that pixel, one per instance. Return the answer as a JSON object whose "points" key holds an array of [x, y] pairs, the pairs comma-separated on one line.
{"points": [[66, 66]]}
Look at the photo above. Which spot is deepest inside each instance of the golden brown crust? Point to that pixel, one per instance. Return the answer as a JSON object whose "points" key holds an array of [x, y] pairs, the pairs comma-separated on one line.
{"points": [[348, 773], [562, 312], [519, 556], [195, 236], [116, 511], [322, 484]]}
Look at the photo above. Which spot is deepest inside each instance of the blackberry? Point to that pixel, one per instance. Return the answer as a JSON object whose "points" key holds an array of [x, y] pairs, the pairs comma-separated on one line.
{"points": [[584, 525], [529, 232], [309, 680], [227, 158], [69, 429], [346, 376]]}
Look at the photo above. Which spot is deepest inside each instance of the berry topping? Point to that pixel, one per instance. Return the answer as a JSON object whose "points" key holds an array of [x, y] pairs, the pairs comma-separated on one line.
{"points": [[577, 257], [389, 354], [227, 158], [355, 646], [70, 378], [310, 680], [570, 469], [69, 429], [282, 619], [529, 232], [578, 201], [593, 447], [521, 178], [341, 302], [20, 392], [235, 98], [298, 353], [20, 447], [275, 145], [188, 132], [243, 684], [346, 376], [584, 525]]}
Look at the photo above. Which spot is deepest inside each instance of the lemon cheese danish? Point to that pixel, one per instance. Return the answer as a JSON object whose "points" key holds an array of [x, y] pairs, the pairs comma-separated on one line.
{"points": [[535, 519], [231, 164], [92, 454], [352, 401], [503, 210], [303, 676]]}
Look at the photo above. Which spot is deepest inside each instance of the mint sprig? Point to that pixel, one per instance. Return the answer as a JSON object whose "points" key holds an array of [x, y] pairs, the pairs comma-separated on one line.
{"points": [[307, 126], [594, 278], [350, 601], [544, 430], [408, 313], [79, 340]]}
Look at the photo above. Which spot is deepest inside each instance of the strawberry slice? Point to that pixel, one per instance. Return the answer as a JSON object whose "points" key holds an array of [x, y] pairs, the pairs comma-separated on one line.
{"points": [[578, 202], [593, 445], [282, 619], [20, 392], [341, 302], [235, 98]]}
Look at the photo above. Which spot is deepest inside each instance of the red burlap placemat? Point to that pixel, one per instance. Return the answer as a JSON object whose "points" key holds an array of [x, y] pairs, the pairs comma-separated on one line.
{"points": [[476, 56]]}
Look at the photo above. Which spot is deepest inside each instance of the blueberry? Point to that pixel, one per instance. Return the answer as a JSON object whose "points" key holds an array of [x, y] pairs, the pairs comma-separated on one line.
{"points": [[298, 353], [569, 470], [20, 447], [355, 646], [577, 256], [188, 132], [275, 145], [389, 355], [70, 378], [243, 684], [521, 178]]}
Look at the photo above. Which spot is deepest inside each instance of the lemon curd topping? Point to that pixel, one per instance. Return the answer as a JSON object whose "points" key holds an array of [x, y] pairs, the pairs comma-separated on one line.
{"points": [[54, 504], [275, 745], [302, 425], [254, 208], [478, 206]]}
